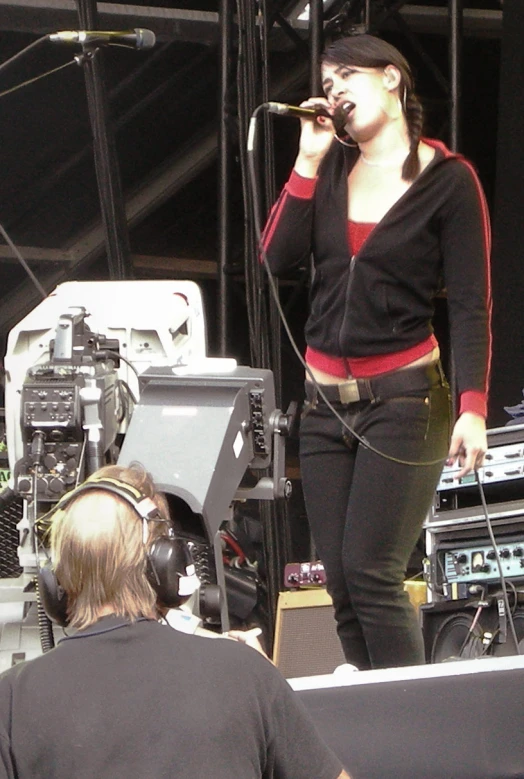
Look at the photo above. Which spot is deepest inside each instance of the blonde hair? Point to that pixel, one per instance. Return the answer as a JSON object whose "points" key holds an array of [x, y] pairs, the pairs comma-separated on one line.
{"points": [[98, 550]]}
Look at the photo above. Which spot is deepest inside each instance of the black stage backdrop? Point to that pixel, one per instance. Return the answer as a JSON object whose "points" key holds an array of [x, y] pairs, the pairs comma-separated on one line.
{"points": [[508, 247]]}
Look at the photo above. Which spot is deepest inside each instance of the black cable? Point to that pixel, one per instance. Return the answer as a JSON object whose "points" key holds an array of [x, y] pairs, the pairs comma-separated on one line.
{"points": [[242, 92], [454, 619], [36, 78], [45, 626], [23, 51], [266, 17], [248, 78], [253, 180], [112, 353], [442, 569], [123, 385], [102, 353], [124, 402], [516, 595], [499, 562], [474, 622]]}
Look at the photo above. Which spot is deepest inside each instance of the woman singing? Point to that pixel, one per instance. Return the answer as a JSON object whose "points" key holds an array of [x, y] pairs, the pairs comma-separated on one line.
{"points": [[390, 219]]}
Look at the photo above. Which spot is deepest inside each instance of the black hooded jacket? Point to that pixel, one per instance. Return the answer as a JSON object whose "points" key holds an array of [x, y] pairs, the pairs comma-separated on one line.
{"points": [[381, 300]]}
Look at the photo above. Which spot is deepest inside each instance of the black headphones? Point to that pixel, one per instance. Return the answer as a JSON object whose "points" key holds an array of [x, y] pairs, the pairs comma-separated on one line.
{"points": [[170, 567]]}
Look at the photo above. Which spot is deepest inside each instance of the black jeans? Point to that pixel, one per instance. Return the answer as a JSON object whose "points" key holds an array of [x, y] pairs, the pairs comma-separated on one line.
{"points": [[366, 511]]}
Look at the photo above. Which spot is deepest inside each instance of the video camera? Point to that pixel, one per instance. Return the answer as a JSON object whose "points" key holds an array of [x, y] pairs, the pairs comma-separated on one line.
{"points": [[135, 384], [70, 410]]}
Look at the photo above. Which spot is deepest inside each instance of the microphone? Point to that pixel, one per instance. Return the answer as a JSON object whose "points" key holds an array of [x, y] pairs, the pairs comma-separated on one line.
{"points": [[295, 110], [135, 39], [339, 116]]}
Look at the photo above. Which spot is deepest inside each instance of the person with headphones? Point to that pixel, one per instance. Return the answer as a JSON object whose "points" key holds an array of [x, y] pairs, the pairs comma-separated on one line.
{"points": [[124, 696]]}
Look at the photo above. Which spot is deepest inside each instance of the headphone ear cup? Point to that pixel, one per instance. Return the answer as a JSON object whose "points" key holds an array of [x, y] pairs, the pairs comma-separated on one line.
{"points": [[52, 596], [168, 561]]}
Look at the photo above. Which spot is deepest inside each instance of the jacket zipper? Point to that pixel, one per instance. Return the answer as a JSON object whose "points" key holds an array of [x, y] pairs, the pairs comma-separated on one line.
{"points": [[354, 256], [346, 299]]}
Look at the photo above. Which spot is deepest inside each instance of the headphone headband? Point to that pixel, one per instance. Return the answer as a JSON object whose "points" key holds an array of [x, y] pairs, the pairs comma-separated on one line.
{"points": [[144, 506], [170, 568]]}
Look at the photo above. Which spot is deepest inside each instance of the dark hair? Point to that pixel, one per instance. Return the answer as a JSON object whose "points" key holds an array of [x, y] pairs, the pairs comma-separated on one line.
{"points": [[366, 51]]}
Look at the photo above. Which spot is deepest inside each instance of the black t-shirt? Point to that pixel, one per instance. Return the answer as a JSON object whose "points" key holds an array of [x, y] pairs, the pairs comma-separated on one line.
{"points": [[141, 700]]}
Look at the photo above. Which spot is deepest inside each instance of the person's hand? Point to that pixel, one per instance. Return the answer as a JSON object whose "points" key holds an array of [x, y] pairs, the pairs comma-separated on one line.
{"points": [[248, 637], [468, 443], [315, 138]]}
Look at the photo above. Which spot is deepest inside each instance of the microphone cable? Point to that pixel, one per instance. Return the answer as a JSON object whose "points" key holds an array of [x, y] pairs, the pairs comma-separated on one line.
{"points": [[3, 231], [23, 51], [251, 147], [487, 518], [36, 78]]}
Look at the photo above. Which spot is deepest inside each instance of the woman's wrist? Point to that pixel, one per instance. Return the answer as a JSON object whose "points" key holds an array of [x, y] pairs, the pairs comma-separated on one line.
{"points": [[475, 402], [300, 186], [307, 166]]}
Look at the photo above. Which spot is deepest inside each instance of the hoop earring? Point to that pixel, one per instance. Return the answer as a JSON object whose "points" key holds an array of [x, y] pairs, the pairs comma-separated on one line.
{"points": [[345, 143]]}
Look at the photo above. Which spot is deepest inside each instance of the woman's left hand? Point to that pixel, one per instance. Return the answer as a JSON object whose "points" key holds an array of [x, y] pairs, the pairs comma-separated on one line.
{"points": [[468, 443]]}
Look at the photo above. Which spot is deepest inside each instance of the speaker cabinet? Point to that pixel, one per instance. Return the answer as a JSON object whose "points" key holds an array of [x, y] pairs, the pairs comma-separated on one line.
{"points": [[306, 641], [459, 630]]}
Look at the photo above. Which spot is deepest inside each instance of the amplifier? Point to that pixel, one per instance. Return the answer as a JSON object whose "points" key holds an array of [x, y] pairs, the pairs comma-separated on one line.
{"points": [[502, 463], [501, 476], [458, 565], [306, 641]]}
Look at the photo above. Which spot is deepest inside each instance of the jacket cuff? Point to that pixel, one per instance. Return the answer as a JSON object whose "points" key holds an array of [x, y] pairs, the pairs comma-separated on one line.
{"points": [[301, 187], [474, 402]]}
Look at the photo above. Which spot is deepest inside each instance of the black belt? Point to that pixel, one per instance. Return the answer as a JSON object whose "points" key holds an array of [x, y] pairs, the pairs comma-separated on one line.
{"points": [[388, 385]]}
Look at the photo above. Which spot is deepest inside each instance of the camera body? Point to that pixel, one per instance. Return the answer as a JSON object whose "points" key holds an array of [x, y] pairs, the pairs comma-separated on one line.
{"points": [[69, 411], [117, 372], [96, 333], [72, 368]]}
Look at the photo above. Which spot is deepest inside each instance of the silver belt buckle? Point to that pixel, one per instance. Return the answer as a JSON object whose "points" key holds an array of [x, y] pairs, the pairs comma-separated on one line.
{"points": [[348, 391]]}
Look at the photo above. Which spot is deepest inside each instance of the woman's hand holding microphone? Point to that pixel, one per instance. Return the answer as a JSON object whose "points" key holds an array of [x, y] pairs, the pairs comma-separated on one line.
{"points": [[315, 139]]}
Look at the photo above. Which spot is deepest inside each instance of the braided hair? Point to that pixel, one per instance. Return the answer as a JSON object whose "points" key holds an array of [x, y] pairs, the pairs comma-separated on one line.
{"points": [[366, 51]]}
